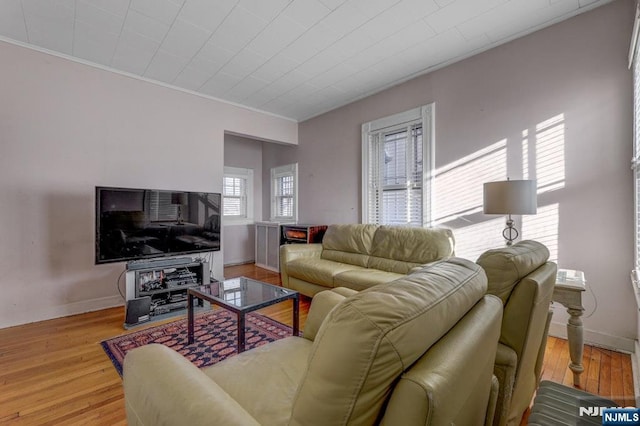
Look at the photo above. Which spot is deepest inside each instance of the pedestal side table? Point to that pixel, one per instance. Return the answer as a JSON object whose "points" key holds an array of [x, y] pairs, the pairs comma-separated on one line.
{"points": [[570, 284]]}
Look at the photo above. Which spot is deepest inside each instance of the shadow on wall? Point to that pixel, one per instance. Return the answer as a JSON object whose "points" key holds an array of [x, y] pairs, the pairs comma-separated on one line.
{"points": [[71, 235]]}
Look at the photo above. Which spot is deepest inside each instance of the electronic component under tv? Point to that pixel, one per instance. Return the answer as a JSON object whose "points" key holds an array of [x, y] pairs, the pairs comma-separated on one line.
{"points": [[134, 224]]}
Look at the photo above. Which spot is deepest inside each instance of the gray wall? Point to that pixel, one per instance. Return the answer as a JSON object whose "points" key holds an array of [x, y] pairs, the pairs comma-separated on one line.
{"points": [[576, 69]]}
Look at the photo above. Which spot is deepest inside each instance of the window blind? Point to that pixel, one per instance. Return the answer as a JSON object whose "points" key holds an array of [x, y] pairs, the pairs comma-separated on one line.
{"points": [[395, 176], [234, 193]]}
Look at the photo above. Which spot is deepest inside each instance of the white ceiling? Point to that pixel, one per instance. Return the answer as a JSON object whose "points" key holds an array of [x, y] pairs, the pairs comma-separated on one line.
{"points": [[293, 58]]}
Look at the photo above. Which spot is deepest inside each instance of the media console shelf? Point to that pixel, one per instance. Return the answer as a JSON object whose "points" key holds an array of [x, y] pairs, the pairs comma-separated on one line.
{"points": [[161, 291]]}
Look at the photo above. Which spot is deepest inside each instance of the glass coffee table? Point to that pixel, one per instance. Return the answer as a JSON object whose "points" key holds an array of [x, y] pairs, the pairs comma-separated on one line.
{"points": [[240, 295]]}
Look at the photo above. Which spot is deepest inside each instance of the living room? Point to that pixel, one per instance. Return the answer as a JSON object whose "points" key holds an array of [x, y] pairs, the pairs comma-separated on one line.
{"points": [[68, 127]]}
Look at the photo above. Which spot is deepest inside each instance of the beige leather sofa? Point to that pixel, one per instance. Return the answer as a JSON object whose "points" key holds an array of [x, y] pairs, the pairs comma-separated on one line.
{"points": [[523, 279], [360, 256], [417, 351]]}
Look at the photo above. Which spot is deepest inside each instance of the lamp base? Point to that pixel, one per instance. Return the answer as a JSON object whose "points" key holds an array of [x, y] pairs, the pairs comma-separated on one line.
{"points": [[510, 233]]}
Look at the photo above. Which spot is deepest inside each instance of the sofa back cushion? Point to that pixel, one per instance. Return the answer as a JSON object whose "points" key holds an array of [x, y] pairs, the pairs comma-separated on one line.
{"points": [[506, 266], [348, 243], [369, 339], [400, 248]]}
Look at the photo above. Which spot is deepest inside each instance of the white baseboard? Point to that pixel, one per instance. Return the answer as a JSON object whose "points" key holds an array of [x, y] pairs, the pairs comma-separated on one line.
{"points": [[595, 338], [34, 315]]}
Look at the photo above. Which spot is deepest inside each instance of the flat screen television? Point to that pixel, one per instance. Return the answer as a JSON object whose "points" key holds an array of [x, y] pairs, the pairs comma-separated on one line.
{"points": [[133, 224]]}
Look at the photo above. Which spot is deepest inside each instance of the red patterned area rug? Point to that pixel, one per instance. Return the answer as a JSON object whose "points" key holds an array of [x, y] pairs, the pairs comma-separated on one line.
{"points": [[215, 337]]}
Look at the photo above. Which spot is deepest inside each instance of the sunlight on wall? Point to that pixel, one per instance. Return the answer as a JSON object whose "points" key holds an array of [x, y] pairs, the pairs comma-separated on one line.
{"points": [[543, 227], [543, 154], [458, 185], [473, 240]]}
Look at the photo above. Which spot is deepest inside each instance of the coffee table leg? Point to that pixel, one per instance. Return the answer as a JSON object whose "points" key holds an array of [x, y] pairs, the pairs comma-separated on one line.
{"points": [[189, 318], [296, 316], [240, 332]]}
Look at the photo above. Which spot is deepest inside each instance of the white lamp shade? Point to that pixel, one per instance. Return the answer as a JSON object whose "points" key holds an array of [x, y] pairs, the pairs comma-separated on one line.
{"points": [[511, 197]]}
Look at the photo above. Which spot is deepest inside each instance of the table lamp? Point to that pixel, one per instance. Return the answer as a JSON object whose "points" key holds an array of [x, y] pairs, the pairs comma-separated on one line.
{"points": [[510, 197]]}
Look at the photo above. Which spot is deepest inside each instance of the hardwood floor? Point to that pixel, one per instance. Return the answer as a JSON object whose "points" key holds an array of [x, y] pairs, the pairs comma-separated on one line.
{"points": [[56, 373]]}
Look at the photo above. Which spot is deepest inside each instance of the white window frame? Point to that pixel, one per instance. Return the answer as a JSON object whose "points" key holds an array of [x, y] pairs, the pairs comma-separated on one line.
{"points": [[424, 115], [247, 202], [634, 65], [278, 173]]}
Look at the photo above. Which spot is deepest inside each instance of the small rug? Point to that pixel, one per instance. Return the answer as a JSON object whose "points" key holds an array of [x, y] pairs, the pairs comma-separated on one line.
{"points": [[215, 334]]}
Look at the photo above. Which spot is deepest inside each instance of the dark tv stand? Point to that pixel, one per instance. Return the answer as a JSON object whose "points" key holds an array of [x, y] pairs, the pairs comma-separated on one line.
{"points": [[159, 290]]}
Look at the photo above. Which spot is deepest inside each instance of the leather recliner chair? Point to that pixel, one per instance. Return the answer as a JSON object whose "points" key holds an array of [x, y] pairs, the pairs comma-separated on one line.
{"points": [[416, 351], [523, 278]]}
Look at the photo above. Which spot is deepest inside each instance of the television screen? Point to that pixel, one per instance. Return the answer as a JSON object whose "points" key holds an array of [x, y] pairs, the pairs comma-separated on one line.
{"points": [[144, 223]]}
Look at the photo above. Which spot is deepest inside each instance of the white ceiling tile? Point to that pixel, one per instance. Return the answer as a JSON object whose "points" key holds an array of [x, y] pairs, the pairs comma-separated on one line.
{"points": [[276, 36], [99, 19], [266, 9], [118, 7], [371, 8], [332, 4], [207, 14], [244, 63], [275, 67], [345, 19], [92, 44], [61, 10], [422, 8], [246, 87], [458, 12], [12, 23], [191, 78], [306, 12], [184, 39], [165, 66], [354, 43], [131, 59], [331, 76], [162, 10], [55, 34], [323, 61], [212, 57], [220, 84], [238, 29], [525, 16], [148, 27]]}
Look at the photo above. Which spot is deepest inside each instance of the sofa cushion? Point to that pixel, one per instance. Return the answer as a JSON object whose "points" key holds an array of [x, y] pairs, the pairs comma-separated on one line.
{"points": [[360, 279], [506, 266], [318, 271], [275, 369], [400, 248], [369, 339], [348, 243]]}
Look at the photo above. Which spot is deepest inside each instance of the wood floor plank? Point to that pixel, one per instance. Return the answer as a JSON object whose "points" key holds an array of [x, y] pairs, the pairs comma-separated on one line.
{"points": [[56, 373]]}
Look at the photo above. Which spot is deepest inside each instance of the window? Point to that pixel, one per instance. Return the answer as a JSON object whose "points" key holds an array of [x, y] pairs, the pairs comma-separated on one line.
{"points": [[237, 193], [161, 207], [284, 193], [635, 161], [397, 159]]}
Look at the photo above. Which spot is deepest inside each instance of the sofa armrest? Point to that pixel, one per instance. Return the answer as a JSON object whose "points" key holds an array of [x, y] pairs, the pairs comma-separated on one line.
{"points": [[321, 305], [289, 252], [161, 387]]}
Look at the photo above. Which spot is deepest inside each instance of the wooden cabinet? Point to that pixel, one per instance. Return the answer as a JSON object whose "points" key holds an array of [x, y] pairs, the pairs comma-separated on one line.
{"points": [[304, 234]]}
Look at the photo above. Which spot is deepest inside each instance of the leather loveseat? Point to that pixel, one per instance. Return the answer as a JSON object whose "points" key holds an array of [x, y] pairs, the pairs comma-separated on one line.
{"points": [[416, 351], [359, 256]]}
